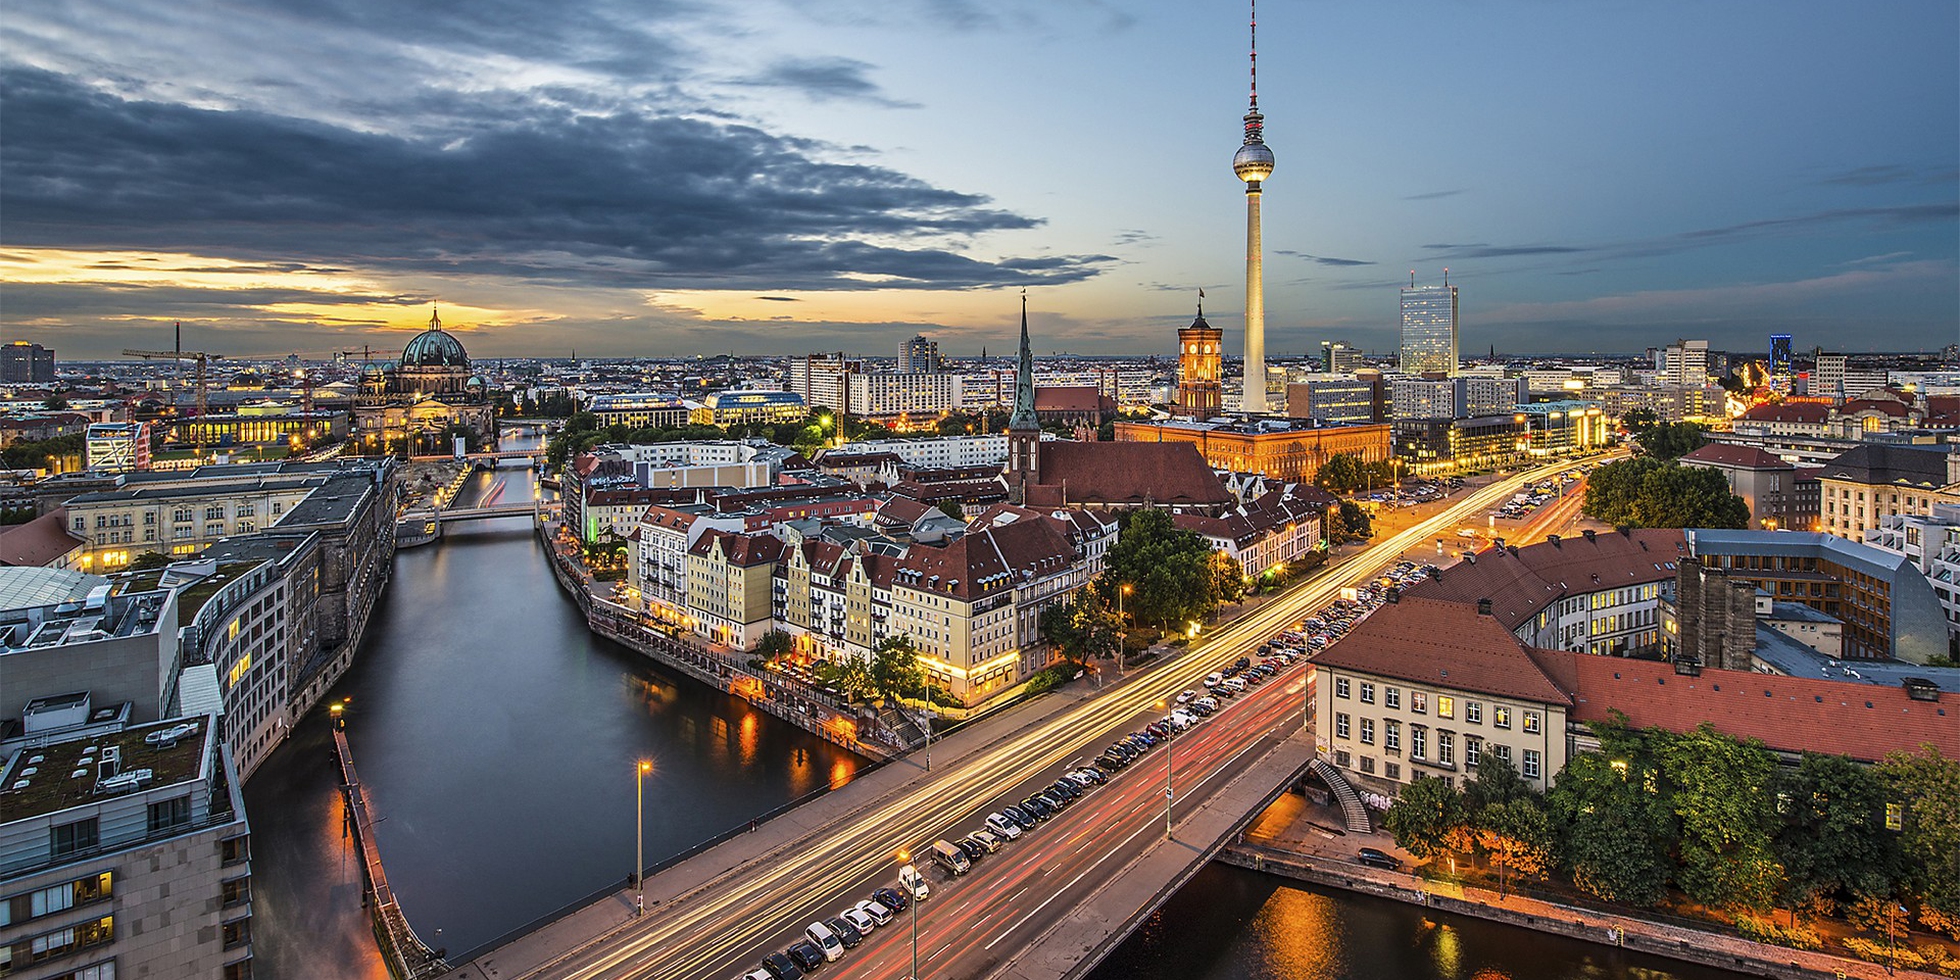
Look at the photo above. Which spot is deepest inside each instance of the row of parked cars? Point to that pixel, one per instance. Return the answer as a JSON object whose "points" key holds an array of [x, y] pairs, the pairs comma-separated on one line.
{"points": [[825, 940]]}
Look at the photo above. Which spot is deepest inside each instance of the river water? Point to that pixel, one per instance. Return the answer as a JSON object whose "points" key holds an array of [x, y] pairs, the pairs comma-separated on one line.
{"points": [[497, 740]]}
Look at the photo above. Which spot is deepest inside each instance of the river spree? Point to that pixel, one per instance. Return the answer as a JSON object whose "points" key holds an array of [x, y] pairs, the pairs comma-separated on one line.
{"points": [[1233, 924], [497, 739]]}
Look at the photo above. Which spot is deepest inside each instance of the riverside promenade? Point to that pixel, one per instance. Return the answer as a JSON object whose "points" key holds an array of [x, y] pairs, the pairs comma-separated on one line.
{"points": [[1299, 841]]}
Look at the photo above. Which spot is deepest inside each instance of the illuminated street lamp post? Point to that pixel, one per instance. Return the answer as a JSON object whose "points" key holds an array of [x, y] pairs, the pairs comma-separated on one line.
{"points": [[639, 834], [1122, 635], [912, 899], [1170, 746]]}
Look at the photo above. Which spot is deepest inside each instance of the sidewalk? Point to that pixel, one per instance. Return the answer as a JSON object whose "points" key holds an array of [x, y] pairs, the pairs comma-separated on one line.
{"points": [[527, 953]]}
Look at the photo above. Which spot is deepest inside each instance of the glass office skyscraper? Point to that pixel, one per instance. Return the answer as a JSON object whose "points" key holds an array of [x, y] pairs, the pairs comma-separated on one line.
{"points": [[1429, 330]]}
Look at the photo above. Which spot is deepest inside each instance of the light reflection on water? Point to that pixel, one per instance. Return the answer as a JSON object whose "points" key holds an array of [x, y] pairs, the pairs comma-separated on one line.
{"points": [[1233, 924]]}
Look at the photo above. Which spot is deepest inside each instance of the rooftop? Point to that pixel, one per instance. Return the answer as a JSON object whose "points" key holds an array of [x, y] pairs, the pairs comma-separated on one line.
{"points": [[71, 773], [1430, 641]]}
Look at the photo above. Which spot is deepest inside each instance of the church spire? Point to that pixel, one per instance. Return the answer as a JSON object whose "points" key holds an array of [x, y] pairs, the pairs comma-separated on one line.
{"points": [[1024, 417]]}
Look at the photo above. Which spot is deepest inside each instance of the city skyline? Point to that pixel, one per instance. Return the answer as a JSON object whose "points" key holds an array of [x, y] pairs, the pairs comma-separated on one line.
{"points": [[639, 184]]}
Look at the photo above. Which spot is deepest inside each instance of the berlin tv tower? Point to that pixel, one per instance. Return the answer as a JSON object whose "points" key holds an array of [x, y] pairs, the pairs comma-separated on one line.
{"points": [[1253, 164]]}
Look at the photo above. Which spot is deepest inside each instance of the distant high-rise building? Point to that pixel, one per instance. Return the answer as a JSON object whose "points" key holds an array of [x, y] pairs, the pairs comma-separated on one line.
{"points": [[1827, 377], [22, 363], [1429, 330], [1685, 362], [1779, 353], [919, 356], [1253, 163], [1339, 357], [1200, 367]]}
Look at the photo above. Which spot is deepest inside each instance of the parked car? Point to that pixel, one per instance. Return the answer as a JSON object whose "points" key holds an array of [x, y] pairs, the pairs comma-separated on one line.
{"points": [[1214, 679], [807, 955], [1018, 816], [891, 898], [985, 839], [1003, 827], [1376, 857], [827, 941], [859, 919], [914, 883], [878, 911], [1185, 696], [847, 934], [972, 848], [781, 967]]}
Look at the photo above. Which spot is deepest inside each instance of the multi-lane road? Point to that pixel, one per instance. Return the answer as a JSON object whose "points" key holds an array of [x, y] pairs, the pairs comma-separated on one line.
{"points": [[724, 928]]}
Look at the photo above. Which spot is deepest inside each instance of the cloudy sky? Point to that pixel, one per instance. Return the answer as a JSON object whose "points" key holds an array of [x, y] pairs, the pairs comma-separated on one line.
{"points": [[679, 176]]}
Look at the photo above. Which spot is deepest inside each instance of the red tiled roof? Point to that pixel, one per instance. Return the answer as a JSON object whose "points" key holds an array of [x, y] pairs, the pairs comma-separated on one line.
{"points": [[1789, 714], [1883, 406], [987, 561], [740, 549], [1744, 457], [1810, 413], [1521, 583], [1943, 409], [1171, 473], [39, 541], [1429, 641], [1067, 398]]}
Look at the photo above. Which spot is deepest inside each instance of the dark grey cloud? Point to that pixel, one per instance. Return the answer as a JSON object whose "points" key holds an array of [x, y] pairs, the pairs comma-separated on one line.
{"points": [[824, 80], [32, 301], [1433, 195], [536, 191], [1133, 236], [1873, 176], [780, 299], [1487, 251]]}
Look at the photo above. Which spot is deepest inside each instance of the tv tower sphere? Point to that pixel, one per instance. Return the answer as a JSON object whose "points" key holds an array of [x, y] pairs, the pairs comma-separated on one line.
{"points": [[1253, 162]]}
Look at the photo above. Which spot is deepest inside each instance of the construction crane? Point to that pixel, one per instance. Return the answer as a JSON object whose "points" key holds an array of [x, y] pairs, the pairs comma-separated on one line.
{"points": [[198, 357]]}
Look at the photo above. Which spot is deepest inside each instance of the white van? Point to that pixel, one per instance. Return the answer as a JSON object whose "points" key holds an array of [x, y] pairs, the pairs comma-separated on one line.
{"points": [[1235, 684], [1183, 719], [914, 883], [1214, 679], [820, 934]]}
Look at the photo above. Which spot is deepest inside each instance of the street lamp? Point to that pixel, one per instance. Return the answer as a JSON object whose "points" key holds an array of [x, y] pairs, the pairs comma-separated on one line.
{"points": [[639, 835], [912, 899], [1170, 745], [1122, 635]]}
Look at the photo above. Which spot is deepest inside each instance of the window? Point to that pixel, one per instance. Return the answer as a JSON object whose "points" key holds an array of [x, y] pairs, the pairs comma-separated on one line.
{"points": [[215, 512], [1392, 735], [1473, 712], [236, 891], [170, 814], [1367, 731], [1341, 725], [1502, 752], [1531, 723], [150, 519], [1392, 770], [81, 524], [1341, 687], [232, 850], [1418, 742], [1446, 748], [1368, 764], [1445, 706], [238, 932], [1419, 702], [1392, 697], [105, 970], [1342, 759], [1530, 770], [1367, 693], [73, 838], [1500, 716], [1472, 746]]}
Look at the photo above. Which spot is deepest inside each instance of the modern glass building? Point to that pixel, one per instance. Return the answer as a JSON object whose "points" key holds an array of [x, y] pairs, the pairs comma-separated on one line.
{"points": [[1779, 353], [1429, 330]]}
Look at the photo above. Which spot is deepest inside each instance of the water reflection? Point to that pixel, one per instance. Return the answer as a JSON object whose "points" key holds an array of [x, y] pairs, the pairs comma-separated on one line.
{"points": [[497, 739], [1231, 924]]}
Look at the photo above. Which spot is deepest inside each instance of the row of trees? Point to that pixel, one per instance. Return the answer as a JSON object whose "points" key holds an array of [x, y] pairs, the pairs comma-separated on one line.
{"points": [[1670, 441], [1649, 492], [1346, 473], [1157, 574], [891, 671], [1714, 816]]}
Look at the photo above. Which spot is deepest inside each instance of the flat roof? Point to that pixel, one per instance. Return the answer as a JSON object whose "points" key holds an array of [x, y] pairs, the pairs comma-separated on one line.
{"points": [[54, 784], [1796, 660], [25, 588]]}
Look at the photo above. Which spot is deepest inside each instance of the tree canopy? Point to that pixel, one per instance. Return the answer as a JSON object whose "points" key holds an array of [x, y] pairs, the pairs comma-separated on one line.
{"points": [[1671, 441], [1168, 569], [1648, 492]]}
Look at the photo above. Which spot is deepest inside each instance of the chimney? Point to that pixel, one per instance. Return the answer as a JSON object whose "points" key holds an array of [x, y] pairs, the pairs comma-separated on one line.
{"points": [[1590, 534], [1626, 530], [1483, 607], [1553, 540], [1394, 594]]}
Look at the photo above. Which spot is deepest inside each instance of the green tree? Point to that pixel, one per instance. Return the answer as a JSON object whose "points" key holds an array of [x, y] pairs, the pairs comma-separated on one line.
{"points": [[1349, 522], [1425, 815], [1637, 419], [1648, 492], [1611, 829], [774, 645], [1671, 441], [1723, 800], [1081, 628], [1926, 785], [150, 559], [1169, 570], [1342, 473], [1517, 834], [852, 675], [1833, 842], [894, 667], [1227, 577], [1497, 783]]}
